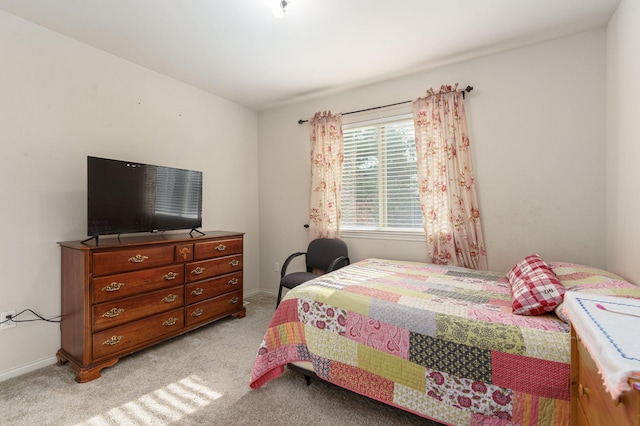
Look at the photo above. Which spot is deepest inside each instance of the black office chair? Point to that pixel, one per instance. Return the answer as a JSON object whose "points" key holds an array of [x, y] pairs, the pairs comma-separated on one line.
{"points": [[323, 255]]}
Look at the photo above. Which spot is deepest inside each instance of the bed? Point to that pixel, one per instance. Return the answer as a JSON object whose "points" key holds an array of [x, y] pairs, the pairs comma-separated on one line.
{"points": [[441, 342]]}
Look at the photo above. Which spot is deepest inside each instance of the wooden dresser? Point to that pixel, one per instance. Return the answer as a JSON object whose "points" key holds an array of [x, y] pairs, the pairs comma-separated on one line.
{"points": [[592, 405], [597, 329], [126, 294]]}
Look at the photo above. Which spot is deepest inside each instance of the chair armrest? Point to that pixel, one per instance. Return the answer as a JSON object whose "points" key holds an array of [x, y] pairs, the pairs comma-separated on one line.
{"points": [[338, 261], [288, 260]]}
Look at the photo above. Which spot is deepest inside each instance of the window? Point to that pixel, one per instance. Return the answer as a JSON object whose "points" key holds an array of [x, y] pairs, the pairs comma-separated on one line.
{"points": [[379, 177]]}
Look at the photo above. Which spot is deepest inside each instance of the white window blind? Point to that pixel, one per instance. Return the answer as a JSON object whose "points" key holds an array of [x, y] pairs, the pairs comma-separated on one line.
{"points": [[379, 178]]}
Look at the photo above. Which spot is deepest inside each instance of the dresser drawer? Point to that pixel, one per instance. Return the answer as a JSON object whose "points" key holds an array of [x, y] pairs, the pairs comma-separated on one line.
{"points": [[202, 290], [596, 402], [210, 268], [118, 340], [216, 307], [112, 313], [218, 248], [105, 263], [123, 285]]}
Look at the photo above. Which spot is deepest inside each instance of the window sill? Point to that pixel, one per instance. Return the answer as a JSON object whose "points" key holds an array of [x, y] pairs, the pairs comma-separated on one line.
{"points": [[383, 235]]}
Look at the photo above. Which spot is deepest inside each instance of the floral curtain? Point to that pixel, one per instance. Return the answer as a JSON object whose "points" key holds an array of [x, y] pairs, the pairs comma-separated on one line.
{"points": [[327, 156], [445, 180]]}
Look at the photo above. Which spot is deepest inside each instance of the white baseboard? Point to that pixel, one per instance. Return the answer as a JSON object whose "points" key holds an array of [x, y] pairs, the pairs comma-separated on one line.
{"points": [[27, 368], [255, 292]]}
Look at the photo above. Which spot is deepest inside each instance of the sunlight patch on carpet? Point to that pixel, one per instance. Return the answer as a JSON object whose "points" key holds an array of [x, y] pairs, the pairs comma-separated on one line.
{"points": [[160, 407]]}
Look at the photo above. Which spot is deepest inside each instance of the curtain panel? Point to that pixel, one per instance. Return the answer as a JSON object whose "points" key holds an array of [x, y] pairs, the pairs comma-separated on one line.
{"points": [[327, 156], [450, 212]]}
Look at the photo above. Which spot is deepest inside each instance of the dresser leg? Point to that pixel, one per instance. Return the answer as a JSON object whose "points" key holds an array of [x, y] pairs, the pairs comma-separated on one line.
{"points": [[84, 374], [61, 358], [88, 374]]}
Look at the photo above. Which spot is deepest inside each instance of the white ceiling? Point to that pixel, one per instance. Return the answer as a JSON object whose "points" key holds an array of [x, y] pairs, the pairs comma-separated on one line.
{"points": [[237, 50]]}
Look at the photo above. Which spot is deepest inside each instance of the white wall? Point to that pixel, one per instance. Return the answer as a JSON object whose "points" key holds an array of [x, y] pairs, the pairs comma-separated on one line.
{"points": [[537, 128], [60, 101], [623, 142]]}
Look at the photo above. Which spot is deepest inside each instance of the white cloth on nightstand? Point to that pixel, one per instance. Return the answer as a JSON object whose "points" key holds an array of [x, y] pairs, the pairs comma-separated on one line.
{"points": [[612, 338]]}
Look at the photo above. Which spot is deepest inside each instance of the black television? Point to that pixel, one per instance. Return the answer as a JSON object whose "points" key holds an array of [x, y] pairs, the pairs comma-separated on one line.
{"points": [[129, 197]]}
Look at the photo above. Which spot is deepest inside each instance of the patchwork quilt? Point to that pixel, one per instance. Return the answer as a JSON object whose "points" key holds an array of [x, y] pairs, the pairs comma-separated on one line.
{"points": [[437, 341]]}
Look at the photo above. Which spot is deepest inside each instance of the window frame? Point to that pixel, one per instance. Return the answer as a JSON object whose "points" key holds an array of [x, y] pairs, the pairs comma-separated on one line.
{"points": [[404, 234]]}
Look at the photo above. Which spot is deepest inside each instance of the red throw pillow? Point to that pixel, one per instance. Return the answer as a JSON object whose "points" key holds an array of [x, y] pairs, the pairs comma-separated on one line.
{"points": [[535, 289]]}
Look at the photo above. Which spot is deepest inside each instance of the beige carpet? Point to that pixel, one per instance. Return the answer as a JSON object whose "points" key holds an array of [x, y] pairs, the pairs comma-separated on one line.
{"points": [[201, 378]]}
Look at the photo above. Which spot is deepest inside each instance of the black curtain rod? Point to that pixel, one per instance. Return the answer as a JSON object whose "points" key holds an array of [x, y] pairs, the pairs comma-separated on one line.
{"points": [[465, 90]]}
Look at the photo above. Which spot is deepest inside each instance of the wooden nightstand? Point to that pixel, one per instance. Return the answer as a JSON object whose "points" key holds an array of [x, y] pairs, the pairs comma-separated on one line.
{"points": [[604, 349]]}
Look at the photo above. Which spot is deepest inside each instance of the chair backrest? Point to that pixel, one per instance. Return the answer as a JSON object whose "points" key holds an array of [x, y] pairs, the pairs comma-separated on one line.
{"points": [[322, 251]]}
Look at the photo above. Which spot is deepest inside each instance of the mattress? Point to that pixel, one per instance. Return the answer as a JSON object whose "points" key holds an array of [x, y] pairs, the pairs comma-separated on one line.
{"points": [[437, 341]]}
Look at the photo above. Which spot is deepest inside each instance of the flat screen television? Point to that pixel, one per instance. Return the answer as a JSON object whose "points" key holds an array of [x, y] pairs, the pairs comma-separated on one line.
{"points": [[129, 197]]}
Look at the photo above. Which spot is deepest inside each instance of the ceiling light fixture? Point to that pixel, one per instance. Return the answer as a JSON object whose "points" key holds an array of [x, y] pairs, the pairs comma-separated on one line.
{"points": [[278, 11]]}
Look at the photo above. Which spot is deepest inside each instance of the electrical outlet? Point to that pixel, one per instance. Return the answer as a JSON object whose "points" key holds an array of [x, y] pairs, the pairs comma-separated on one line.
{"points": [[276, 267], [4, 316]]}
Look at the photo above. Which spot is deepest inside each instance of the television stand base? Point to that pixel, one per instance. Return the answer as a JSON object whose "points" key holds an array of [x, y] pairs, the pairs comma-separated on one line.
{"points": [[195, 230], [93, 237]]}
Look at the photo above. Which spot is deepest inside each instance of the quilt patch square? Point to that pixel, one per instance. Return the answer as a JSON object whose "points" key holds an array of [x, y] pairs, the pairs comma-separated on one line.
{"points": [[533, 410], [322, 367], [284, 334], [481, 334], [378, 335], [461, 393], [374, 293], [453, 358], [322, 316], [362, 382], [523, 374], [390, 367]]}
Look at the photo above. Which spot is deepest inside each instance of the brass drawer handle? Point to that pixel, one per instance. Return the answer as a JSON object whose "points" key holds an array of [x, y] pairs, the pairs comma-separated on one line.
{"points": [[198, 270], [234, 300], [113, 340], [170, 298], [138, 258], [198, 291], [112, 313], [234, 281], [171, 321], [197, 312], [170, 276], [234, 262], [221, 247], [114, 286]]}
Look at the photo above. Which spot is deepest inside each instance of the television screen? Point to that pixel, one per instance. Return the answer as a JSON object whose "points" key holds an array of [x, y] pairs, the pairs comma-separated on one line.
{"points": [[126, 197]]}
